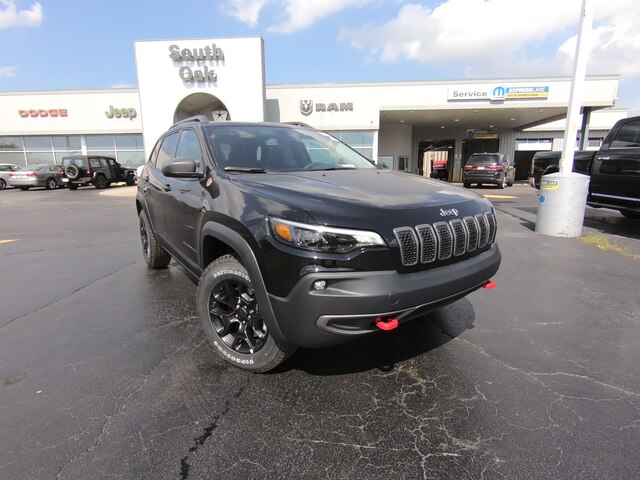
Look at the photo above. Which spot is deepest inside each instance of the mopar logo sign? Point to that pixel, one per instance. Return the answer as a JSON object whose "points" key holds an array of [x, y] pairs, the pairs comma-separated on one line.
{"points": [[498, 93], [306, 107]]}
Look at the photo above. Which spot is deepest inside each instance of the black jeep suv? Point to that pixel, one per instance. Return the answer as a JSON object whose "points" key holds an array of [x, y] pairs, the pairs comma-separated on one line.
{"points": [[100, 171], [295, 239]]}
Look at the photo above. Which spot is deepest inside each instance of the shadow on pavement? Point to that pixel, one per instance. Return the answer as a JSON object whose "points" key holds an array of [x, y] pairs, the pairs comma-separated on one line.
{"points": [[382, 351]]}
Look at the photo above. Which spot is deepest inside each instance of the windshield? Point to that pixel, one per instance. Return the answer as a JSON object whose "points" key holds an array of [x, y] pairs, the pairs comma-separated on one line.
{"points": [[281, 149]]}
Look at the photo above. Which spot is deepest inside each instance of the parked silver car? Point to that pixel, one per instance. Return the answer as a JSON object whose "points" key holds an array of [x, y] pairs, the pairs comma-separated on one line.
{"points": [[48, 176], [5, 170]]}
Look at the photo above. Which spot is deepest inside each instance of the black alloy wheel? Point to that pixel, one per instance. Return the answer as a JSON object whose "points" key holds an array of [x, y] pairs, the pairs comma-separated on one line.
{"points": [[236, 318], [51, 184], [154, 255], [101, 182]]}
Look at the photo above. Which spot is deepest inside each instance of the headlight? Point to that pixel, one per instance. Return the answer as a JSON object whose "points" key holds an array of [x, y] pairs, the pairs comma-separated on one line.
{"points": [[322, 239]]}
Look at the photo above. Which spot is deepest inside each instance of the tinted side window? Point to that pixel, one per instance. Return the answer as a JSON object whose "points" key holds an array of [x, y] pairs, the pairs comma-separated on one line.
{"points": [[167, 149], [627, 136], [189, 147], [94, 162], [154, 155]]}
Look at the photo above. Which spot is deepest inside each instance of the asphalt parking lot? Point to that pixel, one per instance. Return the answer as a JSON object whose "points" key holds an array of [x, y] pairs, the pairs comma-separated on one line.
{"points": [[105, 373]]}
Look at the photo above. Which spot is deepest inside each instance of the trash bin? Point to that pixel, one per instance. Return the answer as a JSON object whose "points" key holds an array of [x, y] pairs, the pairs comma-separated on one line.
{"points": [[561, 204]]}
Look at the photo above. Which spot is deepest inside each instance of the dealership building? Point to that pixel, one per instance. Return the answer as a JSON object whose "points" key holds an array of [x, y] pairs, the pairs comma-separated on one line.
{"points": [[411, 126]]}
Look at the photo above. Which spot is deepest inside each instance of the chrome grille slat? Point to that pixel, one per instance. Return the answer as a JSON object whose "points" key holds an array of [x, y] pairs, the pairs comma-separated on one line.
{"points": [[428, 243], [472, 233], [408, 241], [491, 218], [444, 240], [459, 237], [483, 229]]}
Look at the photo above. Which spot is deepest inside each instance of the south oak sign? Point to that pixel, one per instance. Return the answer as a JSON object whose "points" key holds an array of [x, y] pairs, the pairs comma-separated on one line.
{"points": [[196, 56]]}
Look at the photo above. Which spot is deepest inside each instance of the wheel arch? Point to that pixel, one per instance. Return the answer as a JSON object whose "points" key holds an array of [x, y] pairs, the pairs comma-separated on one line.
{"points": [[217, 240]]}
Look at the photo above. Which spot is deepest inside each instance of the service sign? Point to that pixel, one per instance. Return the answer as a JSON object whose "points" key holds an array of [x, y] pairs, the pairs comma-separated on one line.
{"points": [[496, 93]]}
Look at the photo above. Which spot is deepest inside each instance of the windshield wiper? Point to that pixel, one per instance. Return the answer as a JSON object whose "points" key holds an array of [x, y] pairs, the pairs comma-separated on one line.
{"points": [[245, 169], [339, 167]]}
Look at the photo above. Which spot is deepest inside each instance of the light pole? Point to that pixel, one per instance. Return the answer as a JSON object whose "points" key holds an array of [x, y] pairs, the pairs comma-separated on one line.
{"points": [[563, 195]]}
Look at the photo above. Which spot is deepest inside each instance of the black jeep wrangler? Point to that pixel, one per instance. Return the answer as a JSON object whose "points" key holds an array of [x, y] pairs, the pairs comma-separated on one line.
{"points": [[81, 170], [295, 239]]}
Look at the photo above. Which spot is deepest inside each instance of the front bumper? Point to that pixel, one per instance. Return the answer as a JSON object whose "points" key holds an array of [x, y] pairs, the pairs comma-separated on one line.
{"points": [[351, 301]]}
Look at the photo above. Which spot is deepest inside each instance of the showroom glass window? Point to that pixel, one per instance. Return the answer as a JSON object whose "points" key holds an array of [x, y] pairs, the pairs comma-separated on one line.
{"points": [[12, 151], [360, 140]]}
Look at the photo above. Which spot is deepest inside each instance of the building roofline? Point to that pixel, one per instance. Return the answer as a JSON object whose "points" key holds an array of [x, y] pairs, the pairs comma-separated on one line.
{"points": [[441, 82], [71, 92]]}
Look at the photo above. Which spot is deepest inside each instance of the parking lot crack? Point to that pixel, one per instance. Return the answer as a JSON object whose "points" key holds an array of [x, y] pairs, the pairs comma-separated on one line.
{"points": [[200, 440], [79, 289]]}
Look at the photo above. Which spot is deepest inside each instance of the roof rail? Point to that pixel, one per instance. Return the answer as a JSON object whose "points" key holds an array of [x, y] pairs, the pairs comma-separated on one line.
{"points": [[197, 118], [298, 124]]}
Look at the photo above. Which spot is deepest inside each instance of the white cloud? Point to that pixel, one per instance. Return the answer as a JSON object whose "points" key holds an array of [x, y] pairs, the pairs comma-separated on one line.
{"points": [[6, 72], [496, 37], [245, 11], [122, 85], [10, 16], [296, 14], [300, 14]]}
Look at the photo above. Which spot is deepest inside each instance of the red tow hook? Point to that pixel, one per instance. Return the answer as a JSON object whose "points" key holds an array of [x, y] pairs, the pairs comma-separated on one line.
{"points": [[489, 285], [386, 326]]}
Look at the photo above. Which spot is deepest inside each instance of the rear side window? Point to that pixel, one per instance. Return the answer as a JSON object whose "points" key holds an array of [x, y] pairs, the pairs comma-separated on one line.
{"points": [[167, 150], [94, 162], [627, 136], [80, 162]]}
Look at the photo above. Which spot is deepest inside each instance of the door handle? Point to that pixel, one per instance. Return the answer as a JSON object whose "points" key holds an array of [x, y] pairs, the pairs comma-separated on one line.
{"points": [[166, 187]]}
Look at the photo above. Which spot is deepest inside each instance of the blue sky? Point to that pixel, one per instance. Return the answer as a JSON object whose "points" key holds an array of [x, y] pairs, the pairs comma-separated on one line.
{"points": [[72, 44]]}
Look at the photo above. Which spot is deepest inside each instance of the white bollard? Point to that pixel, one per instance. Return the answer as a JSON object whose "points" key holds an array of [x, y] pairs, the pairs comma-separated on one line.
{"points": [[562, 201]]}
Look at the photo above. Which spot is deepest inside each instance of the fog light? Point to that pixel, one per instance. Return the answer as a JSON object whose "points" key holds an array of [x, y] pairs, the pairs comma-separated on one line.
{"points": [[319, 285]]}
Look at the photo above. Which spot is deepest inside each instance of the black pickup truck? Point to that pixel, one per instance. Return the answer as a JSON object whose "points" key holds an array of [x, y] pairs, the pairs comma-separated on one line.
{"points": [[614, 169], [295, 239]]}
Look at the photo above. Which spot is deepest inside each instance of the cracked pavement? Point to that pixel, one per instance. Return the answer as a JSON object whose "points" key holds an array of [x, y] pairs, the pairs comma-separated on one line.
{"points": [[105, 372]]}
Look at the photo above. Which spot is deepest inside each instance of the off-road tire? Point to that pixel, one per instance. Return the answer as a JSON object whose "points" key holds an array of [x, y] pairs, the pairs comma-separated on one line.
{"points": [[72, 171], [226, 274], [51, 184], [24, 188], [72, 186], [466, 185], [155, 256], [130, 181], [101, 182]]}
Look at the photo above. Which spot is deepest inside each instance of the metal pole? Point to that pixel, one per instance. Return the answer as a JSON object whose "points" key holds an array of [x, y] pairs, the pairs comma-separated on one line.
{"points": [[577, 81]]}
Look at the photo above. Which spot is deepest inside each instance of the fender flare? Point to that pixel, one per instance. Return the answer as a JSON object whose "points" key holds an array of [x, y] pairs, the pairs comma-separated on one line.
{"points": [[250, 262]]}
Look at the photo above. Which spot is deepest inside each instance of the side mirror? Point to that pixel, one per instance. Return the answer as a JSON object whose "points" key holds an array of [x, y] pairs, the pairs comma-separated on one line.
{"points": [[181, 168]]}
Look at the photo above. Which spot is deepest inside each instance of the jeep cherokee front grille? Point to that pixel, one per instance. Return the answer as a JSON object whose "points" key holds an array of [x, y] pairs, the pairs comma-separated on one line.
{"points": [[444, 240]]}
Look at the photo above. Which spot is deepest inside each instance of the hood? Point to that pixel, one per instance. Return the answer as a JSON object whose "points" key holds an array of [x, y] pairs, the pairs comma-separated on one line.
{"points": [[378, 200]]}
